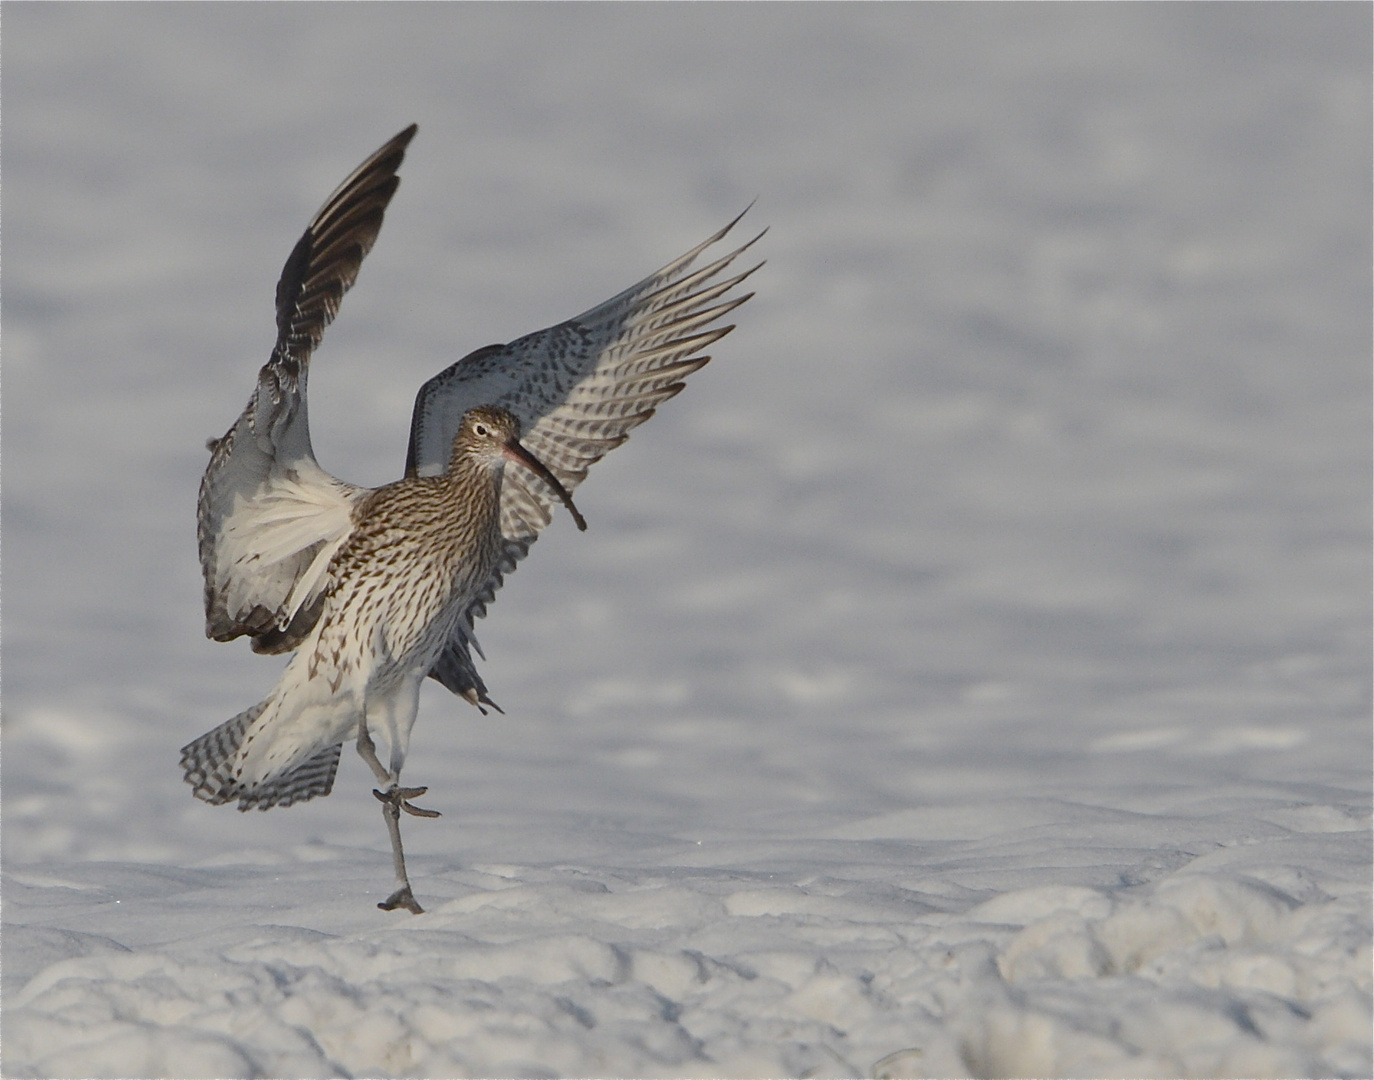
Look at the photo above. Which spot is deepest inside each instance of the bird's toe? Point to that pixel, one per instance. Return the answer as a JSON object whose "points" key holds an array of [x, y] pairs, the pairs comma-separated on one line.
{"points": [[399, 798]]}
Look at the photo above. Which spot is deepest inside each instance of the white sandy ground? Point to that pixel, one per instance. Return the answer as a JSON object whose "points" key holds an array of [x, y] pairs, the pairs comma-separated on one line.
{"points": [[966, 676]]}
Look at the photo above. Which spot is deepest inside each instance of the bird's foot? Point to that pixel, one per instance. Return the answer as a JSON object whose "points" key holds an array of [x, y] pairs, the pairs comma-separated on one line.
{"points": [[400, 797], [402, 897]]}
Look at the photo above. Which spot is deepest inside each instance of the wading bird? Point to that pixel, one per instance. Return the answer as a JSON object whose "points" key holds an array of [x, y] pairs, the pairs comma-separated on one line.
{"points": [[373, 589]]}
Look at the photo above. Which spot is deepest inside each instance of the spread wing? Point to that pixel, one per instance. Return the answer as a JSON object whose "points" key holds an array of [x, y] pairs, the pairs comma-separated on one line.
{"points": [[269, 518], [578, 388]]}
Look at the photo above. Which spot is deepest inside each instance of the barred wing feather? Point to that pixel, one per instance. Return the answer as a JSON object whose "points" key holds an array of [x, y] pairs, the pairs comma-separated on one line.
{"points": [[578, 389], [269, 518]]}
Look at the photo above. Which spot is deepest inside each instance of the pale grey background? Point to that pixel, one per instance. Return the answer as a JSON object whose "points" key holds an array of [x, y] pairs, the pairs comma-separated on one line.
{"points": [[1034, 485]]}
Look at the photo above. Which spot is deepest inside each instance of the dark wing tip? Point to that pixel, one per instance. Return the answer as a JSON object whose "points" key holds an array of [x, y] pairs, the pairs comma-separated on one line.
{"points": [[325, 261]]}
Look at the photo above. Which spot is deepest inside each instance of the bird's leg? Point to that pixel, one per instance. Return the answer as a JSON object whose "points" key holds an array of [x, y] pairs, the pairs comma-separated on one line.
{"points": [[402, 897], [367, 750], [393, 800]]}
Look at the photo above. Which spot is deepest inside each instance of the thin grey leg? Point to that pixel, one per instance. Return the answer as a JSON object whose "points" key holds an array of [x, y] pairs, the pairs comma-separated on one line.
{"points": [[367, 750], [402, 897], [394, 799]]}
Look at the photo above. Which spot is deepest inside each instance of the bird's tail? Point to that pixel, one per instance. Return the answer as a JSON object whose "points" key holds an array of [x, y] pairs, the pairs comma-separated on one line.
{"points": [[213, 768]]}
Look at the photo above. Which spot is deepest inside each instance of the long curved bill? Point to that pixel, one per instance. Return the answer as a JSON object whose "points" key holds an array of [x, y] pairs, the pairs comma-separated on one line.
{"points": [[517, 453]]}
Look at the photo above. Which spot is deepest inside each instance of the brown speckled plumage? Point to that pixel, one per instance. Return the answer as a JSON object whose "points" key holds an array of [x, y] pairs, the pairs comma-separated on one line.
{"points": [[419, 550]]}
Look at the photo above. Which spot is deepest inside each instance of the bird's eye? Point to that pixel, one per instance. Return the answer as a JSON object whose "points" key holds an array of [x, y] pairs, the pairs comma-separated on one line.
{"points": [[481, 429]]}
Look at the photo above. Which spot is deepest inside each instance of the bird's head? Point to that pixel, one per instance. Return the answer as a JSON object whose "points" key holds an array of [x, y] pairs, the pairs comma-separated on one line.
{"points": [[489, 435]]}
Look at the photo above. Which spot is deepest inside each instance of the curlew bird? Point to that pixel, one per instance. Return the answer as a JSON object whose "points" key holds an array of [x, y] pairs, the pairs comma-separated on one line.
{"points": [[372, 590]]}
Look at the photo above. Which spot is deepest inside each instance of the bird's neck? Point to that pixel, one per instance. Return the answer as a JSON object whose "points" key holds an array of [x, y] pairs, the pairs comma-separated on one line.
{"points": [[470, 477]]}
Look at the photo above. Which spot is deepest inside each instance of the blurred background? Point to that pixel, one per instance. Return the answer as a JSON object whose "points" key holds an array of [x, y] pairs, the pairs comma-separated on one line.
{"points": [[1040, 463]]}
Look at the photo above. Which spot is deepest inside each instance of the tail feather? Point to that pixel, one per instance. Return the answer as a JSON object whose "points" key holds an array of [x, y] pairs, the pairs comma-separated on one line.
{"points": [[209, 764], [208, 761], [314, 777]]}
